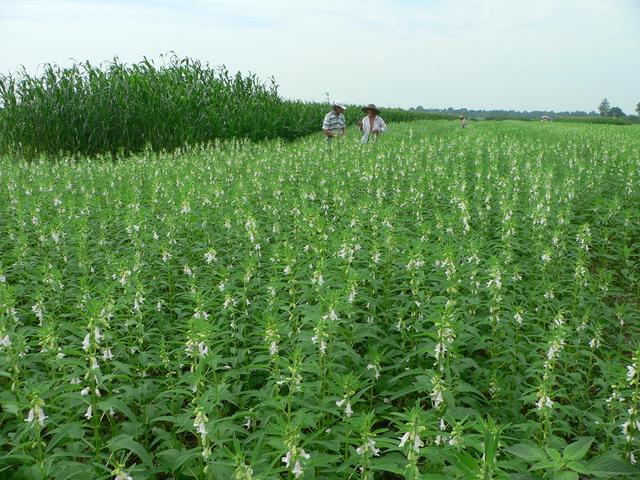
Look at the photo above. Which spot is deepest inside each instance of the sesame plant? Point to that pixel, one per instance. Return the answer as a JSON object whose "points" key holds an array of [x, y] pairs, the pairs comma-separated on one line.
{"points": [[438, 304]]}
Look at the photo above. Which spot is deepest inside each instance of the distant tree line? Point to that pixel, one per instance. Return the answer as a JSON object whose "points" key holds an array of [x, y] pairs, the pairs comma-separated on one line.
{"points": [[604, 110], [534, 114]]}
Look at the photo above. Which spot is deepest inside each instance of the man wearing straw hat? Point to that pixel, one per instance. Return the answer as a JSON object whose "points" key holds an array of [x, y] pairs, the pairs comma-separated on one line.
{"points": [[334, 123], [372, 124]]}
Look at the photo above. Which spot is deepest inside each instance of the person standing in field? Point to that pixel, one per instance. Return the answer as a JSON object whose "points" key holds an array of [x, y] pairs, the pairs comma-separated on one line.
{"points": [[463, 122], [334, 124], [372, 124]]}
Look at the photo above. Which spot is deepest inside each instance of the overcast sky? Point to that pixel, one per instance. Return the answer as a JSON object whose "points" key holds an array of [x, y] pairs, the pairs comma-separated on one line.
{"points": [[512, 54]]}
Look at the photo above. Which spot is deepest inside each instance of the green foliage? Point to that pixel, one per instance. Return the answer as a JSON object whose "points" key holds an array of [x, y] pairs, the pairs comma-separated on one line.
{"points": [[439, 304], [604, 108], [86, 109], [598, 120]]}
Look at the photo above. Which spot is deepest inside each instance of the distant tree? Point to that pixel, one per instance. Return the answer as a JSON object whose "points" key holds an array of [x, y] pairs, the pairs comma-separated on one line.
{"points": [[638, 109], [616, 112], [604, 107]]}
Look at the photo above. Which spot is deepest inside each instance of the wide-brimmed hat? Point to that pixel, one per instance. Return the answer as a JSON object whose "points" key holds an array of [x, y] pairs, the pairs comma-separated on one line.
{"points": [[340, 104], [371, 106]]}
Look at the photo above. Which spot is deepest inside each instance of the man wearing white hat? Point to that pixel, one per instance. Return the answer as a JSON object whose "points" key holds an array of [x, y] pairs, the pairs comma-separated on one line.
{"points": [[334, 123]]}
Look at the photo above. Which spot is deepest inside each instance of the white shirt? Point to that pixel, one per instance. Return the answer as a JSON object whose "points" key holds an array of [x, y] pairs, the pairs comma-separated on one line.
{"points": [[378, 124]]}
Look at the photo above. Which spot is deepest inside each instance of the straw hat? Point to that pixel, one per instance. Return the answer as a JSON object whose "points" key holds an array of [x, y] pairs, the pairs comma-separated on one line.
{"points": [[339, 103], [371, 106]]}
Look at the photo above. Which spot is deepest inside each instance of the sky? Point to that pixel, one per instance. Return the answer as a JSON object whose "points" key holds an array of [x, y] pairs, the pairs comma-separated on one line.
{"points": [[503, 54]]}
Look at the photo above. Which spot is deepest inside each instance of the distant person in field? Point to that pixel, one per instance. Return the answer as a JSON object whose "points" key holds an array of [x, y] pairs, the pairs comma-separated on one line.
{"points": [[463, 122], [334, 124], [372, 124]]}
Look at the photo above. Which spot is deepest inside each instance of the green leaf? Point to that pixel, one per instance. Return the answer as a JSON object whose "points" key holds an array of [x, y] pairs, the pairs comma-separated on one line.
{"points": [[577, 449], [553, 454], [125, 442], [527, 451], [567, 476], [578, 466], [605, 466], [119, 405], [73, 430]]}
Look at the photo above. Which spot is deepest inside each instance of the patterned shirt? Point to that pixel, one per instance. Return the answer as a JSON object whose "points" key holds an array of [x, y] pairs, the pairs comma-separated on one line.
{"points": [[334, 123]]}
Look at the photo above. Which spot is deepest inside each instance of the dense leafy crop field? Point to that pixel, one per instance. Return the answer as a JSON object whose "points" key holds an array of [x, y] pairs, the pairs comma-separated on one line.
{"points": [[441, 304], [115, 108]]}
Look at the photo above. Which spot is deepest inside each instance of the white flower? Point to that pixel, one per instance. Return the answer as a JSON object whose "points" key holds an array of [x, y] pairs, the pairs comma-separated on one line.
{"points": [[36, 413], [347, 411], [85, 391], [631, 372], [594, 343], [210, 256], [544, 402], [273, 348], [86, 342], [89, 413], [3, 278], [545, 257], [287, 459], [369, 446], [122, 475], [352, 295], [107, 354], [404, 439], [200, 424], [297, 469], [339, 403], [625, 429], [436, 397], [5, 341], [376, 371], [415, 264], [203, 349]]}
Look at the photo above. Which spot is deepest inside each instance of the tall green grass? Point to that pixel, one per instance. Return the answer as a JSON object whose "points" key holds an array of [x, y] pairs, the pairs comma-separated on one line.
{"points": [[115, 107]]}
